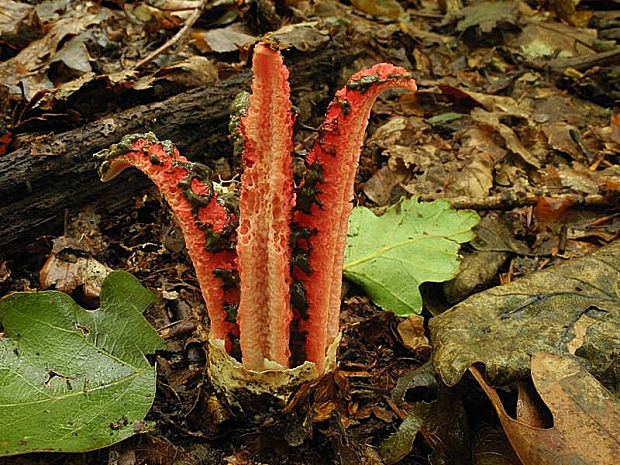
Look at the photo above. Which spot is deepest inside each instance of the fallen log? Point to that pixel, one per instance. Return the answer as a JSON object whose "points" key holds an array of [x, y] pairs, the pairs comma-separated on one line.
{"points": [[54, 173]]}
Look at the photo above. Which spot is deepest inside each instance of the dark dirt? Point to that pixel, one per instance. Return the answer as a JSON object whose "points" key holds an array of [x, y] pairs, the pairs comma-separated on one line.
{"points": [[511, 116]]}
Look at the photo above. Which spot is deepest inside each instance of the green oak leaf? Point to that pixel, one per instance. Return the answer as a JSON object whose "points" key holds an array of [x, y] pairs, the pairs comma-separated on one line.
{"points": [[411, 243], [74, 380], [400, 443]]}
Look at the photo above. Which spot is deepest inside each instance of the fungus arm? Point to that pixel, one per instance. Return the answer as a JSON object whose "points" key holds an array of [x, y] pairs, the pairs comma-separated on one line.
{"points": [[208, 225], [265, 212], [324, 201]]}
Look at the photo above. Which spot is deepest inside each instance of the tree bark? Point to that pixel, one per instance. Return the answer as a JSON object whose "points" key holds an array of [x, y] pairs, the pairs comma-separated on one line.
{"points": [[54, 173]]}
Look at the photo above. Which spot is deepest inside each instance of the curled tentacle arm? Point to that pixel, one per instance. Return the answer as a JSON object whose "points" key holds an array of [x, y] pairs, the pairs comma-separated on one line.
{"points": [[324, 201], [208, 224]]}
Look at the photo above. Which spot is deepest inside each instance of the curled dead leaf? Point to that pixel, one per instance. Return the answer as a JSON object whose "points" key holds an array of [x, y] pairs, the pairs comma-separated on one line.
{"points": [[491, 447], [502, 326], [586, 418], [71, 265], [399, 444], [513, 143], [412, 333], [550, 209], [67, 269], [388, 8], [222, 40], [5, 272]]}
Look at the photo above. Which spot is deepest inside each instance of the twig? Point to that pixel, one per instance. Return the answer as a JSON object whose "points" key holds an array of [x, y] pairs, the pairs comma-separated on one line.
{"points": [[581, 63], [511, 201], [188, 24], [420, 14]]}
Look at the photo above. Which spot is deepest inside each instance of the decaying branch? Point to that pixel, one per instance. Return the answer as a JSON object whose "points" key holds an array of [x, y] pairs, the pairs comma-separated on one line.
{"points": [[56, 172]]}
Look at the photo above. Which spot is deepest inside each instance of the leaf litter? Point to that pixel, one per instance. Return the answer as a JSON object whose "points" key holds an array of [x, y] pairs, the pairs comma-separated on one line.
{"points": [[503, 326], [585, 415], [515, 113]]}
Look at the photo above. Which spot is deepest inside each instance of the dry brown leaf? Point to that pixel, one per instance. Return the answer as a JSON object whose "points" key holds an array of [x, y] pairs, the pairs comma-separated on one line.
{"points": [[541, 40], [306, 36], [29, 66], [193, 72], [5, 272], [323, 412], [379, 187], [513, 143], [503, 326], [500, 104], [482, 153], [579, 178], [412, 333], [388, 8], [446, 428], [163, 16], [559, 138], [74, 55], [586, 416], [222, 40], [12, 14], [551, 209], [493, 244], [531, 409], [610, 135], [567, 11], [485, 17], [491, 447], [399, 131], [383, 414], [416, 158], [70, 266]]}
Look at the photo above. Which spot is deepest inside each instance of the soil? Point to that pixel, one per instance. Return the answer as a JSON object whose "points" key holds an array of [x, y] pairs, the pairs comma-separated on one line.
{"points": [[496, 126]]}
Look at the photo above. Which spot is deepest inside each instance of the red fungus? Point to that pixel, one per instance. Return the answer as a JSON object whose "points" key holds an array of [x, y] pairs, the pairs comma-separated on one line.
{"points": [[289, 243], [207, 224], [265, 214], [324, 200]]}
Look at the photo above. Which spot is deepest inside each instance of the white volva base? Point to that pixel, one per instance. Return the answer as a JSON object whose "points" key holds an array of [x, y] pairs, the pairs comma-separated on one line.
{"points": [[235, 382]]}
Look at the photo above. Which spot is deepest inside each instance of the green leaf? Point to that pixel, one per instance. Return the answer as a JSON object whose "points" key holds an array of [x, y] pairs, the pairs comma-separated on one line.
{"points": [[411, 243], [399, 444], [444, 118], [74, 380]]}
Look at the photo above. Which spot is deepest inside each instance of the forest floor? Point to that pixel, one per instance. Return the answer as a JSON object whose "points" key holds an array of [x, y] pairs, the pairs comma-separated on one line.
{"points": [[516, 117]]}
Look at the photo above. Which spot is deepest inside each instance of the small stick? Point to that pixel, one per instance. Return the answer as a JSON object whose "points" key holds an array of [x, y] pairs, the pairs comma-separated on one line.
{"points": [[426, 15], [188, 24], [511, 201], [562, 240], [603, 220]]}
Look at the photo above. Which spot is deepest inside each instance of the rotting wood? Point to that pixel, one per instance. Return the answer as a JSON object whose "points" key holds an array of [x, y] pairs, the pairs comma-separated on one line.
{"points": [[52, 173]]}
